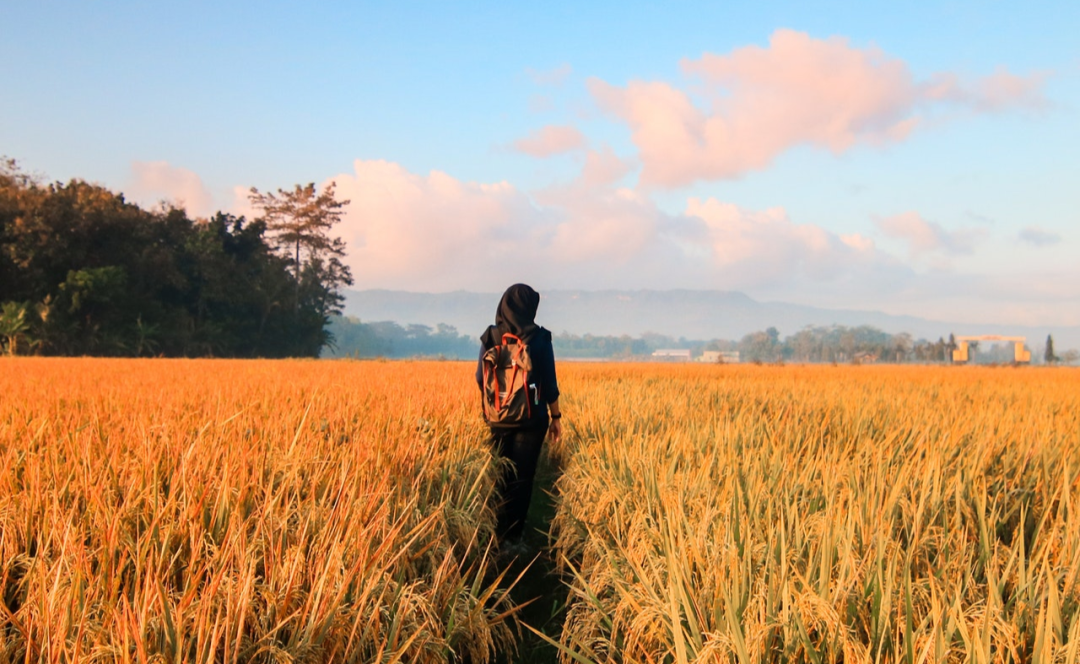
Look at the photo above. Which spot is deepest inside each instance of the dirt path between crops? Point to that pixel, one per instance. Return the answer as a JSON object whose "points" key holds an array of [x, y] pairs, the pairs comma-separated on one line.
{"points": [[541, 582]]}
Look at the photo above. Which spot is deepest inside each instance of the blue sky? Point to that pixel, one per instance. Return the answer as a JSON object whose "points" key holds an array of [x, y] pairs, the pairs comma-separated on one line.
{"points": [[914, 158]]}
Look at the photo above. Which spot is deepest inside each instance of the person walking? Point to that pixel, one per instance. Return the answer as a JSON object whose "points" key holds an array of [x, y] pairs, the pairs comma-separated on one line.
{"points": [[516, 375]]}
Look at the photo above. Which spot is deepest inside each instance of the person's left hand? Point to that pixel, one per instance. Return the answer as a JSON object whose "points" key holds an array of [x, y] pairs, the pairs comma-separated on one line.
{"points": [[555, 430]]}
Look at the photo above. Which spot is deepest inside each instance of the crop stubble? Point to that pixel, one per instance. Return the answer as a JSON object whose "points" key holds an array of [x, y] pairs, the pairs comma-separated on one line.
{"points": [[314, 511]]}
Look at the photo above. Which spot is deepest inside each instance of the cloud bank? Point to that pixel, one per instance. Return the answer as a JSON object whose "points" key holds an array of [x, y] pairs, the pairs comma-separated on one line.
{"points": [[754, 103], [435, 232]]}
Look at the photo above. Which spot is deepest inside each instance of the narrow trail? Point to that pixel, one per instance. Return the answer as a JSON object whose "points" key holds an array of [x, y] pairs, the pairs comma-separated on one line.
{"points": [[542, 582]]}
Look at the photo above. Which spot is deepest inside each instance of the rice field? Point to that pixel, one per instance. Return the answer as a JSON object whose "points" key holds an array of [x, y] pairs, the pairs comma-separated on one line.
{"points": [[822, 514], [313, 511], [225, 511]]}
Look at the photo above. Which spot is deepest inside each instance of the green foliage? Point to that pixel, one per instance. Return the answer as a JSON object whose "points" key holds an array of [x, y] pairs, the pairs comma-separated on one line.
{"points": [[589, 345], [353, 338], [300, 222], [106, 277], [14, 324]]}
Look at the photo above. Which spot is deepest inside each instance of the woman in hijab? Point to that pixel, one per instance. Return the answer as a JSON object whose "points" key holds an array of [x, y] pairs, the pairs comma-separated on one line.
{"points": [[521, 443]]}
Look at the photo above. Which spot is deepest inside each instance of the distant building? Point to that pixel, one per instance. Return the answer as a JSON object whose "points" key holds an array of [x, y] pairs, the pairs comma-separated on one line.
{"points": [[719, 356], [672, 354]]}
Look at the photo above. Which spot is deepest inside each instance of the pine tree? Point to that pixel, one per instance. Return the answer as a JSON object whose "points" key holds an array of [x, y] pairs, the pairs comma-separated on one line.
{"points": [[1049, 356], [301, 219]]}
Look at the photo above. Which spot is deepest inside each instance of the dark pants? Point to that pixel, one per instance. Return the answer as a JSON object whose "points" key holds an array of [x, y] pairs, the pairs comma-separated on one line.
{"points": [[522, 447]]}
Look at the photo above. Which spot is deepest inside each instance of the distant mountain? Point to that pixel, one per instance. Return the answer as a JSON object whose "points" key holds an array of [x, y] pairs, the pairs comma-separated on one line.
{"points": [[692, 314]]}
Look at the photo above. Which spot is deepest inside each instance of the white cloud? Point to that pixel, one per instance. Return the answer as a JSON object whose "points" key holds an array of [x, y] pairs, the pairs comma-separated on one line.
{"points": [[157, 181], [435, 232], [551, 140], [766, 248], [999, 91], [603, 167], [760, 102], [924, 237]]}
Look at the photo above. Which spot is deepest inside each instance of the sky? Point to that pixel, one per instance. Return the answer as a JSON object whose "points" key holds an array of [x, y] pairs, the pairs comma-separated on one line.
{"points": [[915, 158]]}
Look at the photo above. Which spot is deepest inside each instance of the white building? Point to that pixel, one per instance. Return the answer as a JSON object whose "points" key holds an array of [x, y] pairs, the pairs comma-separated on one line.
{"points": [[672, 354], [720, 356]]}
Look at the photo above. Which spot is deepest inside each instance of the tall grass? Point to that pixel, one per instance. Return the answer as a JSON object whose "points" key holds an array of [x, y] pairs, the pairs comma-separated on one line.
{"points": [[219, 511], [801, 514], [198, 511]]}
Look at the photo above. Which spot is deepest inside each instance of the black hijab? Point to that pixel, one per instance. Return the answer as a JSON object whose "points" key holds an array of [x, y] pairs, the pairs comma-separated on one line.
{"points": [[516, 315]]}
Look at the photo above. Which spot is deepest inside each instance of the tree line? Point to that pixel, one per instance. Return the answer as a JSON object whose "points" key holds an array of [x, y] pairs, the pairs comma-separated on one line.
{"points": [[85, 272], [814, 344], [356, 339], [835, 343], [838, 343]]}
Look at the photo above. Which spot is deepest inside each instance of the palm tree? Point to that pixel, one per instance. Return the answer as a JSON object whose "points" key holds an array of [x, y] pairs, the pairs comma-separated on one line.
{"points": [[13, 325]]}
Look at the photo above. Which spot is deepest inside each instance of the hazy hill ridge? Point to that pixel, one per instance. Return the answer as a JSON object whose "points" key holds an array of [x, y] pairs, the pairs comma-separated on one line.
{"points": [[694, 314]]}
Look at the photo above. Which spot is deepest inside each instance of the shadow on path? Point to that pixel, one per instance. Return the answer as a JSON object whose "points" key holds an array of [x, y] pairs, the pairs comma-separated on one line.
{"points": [[542, 585]]}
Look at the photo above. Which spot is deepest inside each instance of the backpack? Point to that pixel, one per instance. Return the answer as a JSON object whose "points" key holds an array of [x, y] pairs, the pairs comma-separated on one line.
{"points": [[511, 395]]}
